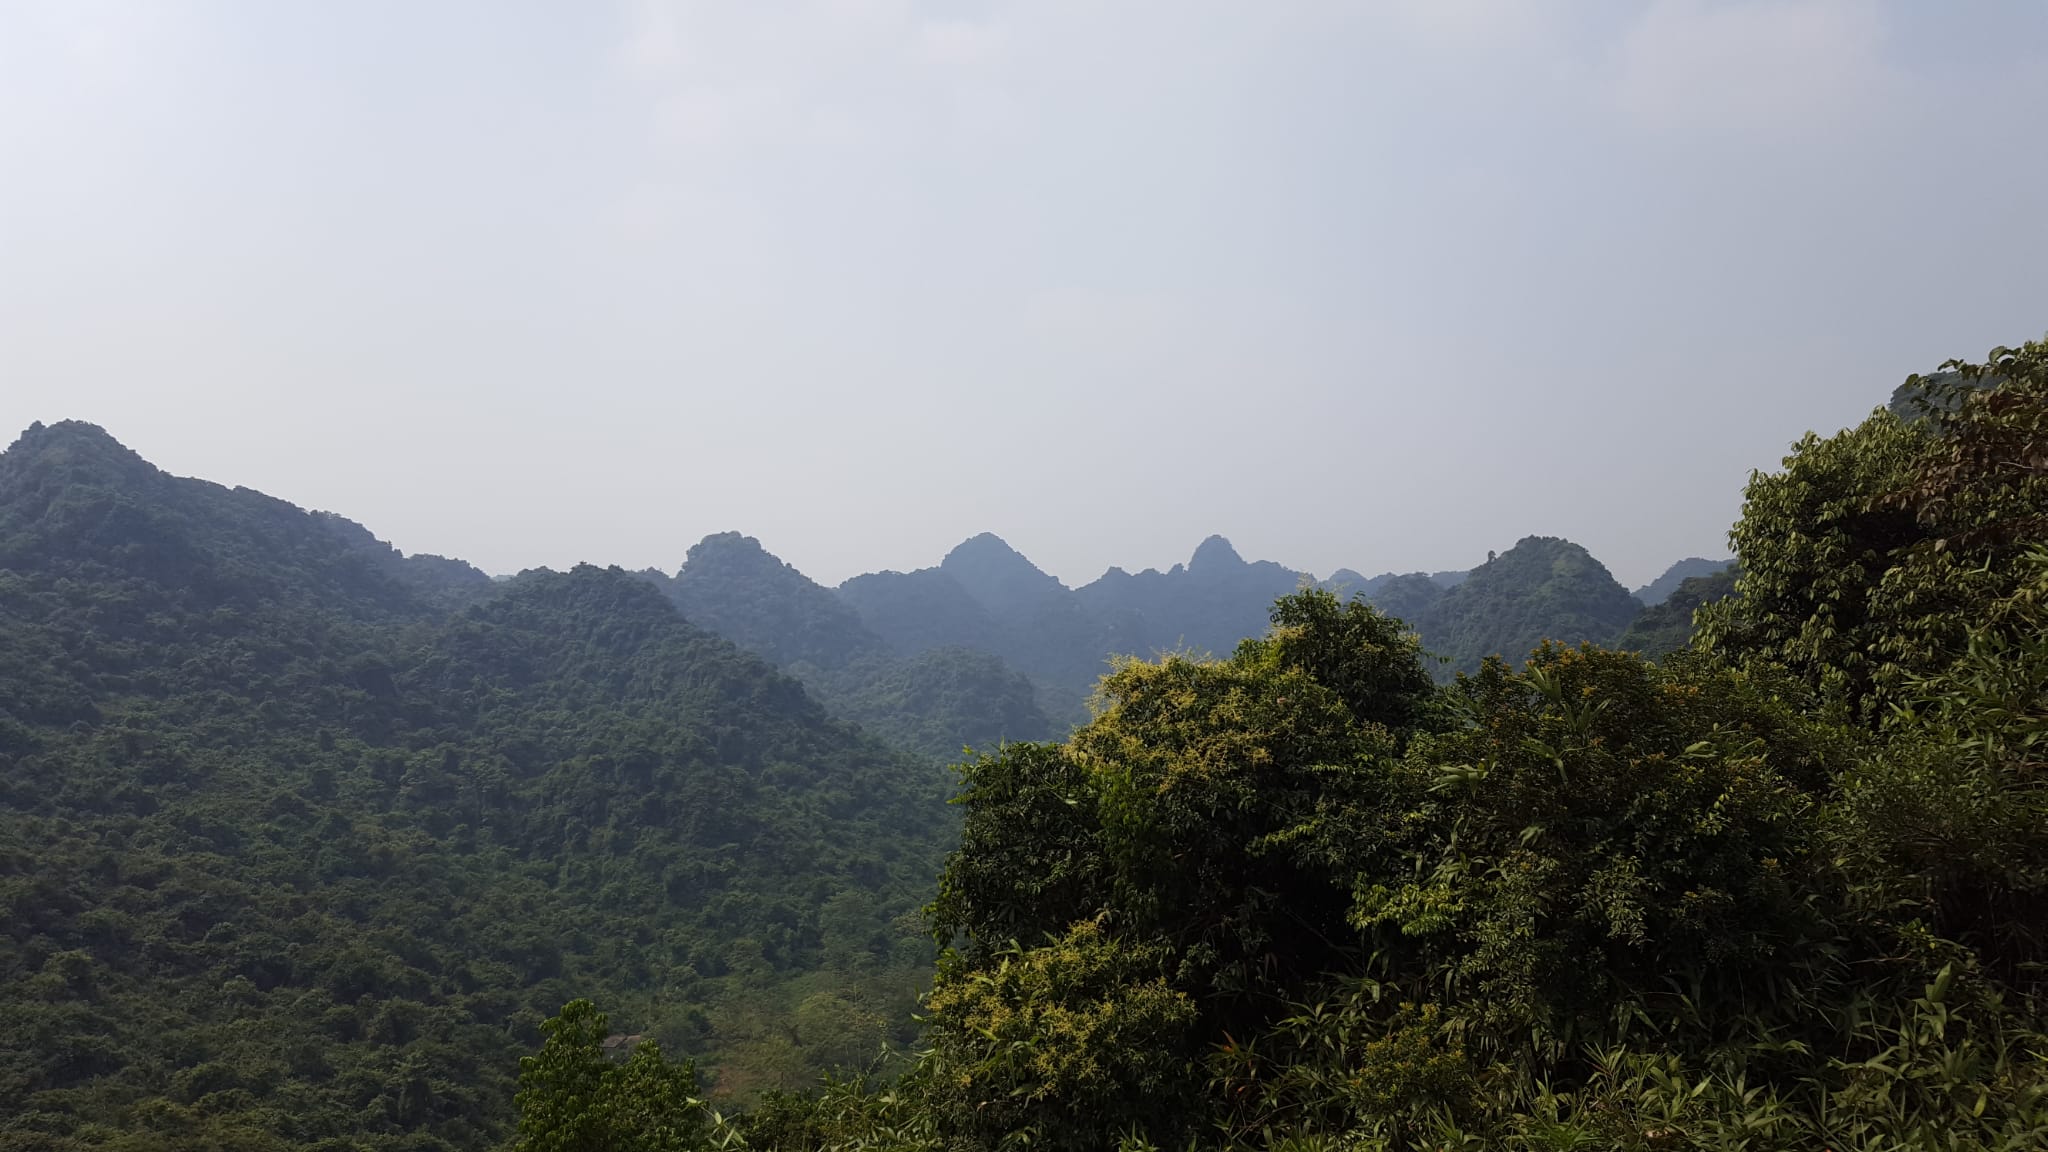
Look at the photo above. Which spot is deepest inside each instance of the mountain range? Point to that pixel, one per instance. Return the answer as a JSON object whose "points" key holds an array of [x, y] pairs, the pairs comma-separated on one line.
{"points": [[1038, 646], [302, 833]]}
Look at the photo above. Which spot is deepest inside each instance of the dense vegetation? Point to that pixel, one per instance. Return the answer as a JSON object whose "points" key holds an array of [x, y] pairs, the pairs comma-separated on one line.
{"points": [[301, 840], [1659, 590], [1788, 889], [1667, 626], [1542, 589]]}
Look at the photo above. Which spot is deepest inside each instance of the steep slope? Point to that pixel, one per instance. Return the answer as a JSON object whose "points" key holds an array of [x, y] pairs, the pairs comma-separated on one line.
{"points": [[1666, 627], [932, 702], [1014, 612], [732, 586], [76, 506], [941, 701], [1209, 604], [1411, 597], [917, 611], [1000, 579], [292, 851], [1656, 591], [1544, 588]]}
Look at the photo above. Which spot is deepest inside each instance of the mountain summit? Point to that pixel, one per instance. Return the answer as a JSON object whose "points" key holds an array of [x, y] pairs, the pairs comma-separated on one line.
{"points": [[999, 577], [1214, 554]]}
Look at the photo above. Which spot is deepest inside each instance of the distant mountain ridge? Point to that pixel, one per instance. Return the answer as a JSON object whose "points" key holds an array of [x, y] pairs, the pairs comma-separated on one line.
{"points": [[1544, 588], [984, 597], [1656, 591], [1667, 626], [986, 614], [935, 701]]}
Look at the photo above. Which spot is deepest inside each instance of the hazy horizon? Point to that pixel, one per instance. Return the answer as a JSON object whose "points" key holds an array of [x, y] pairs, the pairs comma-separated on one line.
{"points": [[935, 560], [1382, 289]]}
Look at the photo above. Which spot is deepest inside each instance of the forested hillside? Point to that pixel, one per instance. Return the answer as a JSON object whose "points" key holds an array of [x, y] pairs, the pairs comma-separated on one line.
{"points": [[301, 839], [1659, 590], [1667, 626], [1785, 890], [1542, 589]]}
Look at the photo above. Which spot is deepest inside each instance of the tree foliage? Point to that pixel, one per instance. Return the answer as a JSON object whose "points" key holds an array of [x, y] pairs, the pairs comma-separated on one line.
{"points": [[573, 1097], [1867, 559], [1667, 626]]}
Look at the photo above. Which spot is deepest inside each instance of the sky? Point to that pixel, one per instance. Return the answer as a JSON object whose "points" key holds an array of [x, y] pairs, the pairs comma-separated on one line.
{"points": [[1370, 285]]}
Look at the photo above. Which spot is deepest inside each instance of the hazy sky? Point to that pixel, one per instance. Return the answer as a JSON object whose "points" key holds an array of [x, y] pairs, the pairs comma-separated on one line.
{"points": [[1378, 285]]}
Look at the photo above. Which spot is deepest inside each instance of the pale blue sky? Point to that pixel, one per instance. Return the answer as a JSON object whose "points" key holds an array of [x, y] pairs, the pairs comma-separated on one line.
{"points": [[1369, 285]]}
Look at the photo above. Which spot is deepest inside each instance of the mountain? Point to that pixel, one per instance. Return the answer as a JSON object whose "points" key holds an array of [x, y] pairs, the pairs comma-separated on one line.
{"points": [[1037, 638], [731, 585], [917, 611], [1656, 591], [933, 702], [1209, 604], [79, 507], [986, 598], [1347, 583], [301, 838], [1544, 588], [1411, 598], [1666, 627], [1000, 579]]}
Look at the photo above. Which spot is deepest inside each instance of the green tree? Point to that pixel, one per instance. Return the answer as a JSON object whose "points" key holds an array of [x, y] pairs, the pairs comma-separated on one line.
{"points": [[574, 1098], [1867, 558]]}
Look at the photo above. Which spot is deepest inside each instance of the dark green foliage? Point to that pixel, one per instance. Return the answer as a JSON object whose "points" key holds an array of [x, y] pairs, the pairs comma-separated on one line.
{"points": [[1410, 599], [1952, 818], [938, 702], [1542, 589], [574, 1097], [1814, 548], [292, 851], [1865, 561], [1659, 590], [1174, 849], [1666, 626], [1366, 657]]}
